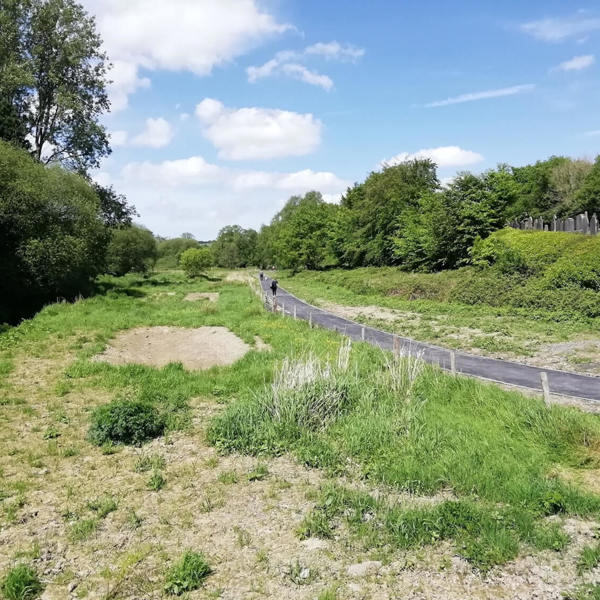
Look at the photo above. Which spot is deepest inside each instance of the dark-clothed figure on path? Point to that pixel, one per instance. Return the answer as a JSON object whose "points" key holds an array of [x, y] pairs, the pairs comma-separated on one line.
{"points": [[274, 287]]}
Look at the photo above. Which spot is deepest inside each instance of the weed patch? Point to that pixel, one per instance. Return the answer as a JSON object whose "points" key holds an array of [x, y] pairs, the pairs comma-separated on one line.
{"points": [[21, 583], [412, 428], [125, 422], [188, 574]]}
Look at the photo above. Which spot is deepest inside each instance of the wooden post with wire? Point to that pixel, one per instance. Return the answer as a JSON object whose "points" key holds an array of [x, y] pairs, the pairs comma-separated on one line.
{"points": [[310, 320], [545, 387], [452, 362], [362, 334]]}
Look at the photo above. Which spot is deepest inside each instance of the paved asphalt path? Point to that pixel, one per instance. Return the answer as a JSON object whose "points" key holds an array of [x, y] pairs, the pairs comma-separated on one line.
{"points": [[503, 371]]}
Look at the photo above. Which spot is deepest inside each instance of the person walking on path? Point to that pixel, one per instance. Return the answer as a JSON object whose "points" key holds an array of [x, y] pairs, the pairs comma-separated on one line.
{"points": [[274, 287]]}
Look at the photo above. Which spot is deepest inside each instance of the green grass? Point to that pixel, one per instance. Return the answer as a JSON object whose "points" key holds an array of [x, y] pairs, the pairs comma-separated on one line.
{"points": [[416, 430], [103, 506], [21, 583], [81, 530], [588, 559], [466, 308], [188, 574], [394, 425], [584, 592]]}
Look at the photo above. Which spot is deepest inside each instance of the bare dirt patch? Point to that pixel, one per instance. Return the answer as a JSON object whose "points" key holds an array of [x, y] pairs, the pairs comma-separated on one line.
{"points": [[261, 345], [370, 312], [195, 349], [195, 296]]}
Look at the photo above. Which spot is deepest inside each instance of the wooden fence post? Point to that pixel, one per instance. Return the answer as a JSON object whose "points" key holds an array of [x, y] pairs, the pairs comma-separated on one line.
{"points": [[452, 362], [545, 387]]}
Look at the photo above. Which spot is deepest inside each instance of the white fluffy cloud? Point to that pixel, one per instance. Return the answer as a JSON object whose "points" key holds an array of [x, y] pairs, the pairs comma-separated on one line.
{"points": [[289, 62], [173, 173], [294, 183], [258, 133], [158, 133], [486, 95], [562, 28], [118, 138], [190, 35], [198, 172], [301, 73], [336, 51], [191, 194], [577, 63], [443, 156]]}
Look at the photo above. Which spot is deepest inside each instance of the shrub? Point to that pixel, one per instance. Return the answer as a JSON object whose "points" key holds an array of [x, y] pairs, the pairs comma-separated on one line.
{"points": [[52, 237], [125, 422], [157, 481], [131, 250], [188, 574], [21, 583], [194, 261]]}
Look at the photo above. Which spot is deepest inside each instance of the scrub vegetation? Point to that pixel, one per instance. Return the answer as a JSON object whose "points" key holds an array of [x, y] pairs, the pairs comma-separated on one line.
{"points": [[283, 471]]}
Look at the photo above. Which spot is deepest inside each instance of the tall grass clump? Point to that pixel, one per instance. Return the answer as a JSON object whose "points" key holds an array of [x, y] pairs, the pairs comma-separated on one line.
{"points": [[187, 574], [306, 397], [21, 583], [406, 425]]}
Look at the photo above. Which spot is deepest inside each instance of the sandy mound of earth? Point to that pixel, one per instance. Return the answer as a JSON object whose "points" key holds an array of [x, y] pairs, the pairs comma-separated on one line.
{"points": [[199, 348], [210, 296]]}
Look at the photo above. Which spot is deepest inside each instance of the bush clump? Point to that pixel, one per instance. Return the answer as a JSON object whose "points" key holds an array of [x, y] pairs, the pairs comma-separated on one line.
{"points": [[126, 422], [21, 583], [194, 261], [188, 574]]}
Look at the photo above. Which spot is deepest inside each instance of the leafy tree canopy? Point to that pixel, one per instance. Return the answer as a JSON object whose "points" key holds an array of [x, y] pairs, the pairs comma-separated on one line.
{"points": [[53, 77], [131, 250]]}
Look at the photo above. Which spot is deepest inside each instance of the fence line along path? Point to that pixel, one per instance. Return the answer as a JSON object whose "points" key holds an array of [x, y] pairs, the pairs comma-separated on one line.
{"points": [[502, 371]]}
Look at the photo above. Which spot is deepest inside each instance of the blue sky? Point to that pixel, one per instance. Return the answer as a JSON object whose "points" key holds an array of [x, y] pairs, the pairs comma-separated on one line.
{"points": [[222, 109]]}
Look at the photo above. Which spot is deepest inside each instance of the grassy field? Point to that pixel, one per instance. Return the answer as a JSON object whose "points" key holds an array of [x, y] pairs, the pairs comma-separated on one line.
{"points": [[308, 469], [427, 307]]}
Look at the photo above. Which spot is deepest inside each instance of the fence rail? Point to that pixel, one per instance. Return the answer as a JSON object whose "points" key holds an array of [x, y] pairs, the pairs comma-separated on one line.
{"points": [[579, 224]]}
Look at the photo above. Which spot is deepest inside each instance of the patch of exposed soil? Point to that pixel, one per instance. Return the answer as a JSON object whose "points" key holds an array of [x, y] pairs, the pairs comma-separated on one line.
{"points": [[370, 312], [245, 524], [210, 296], [261, 345], [582, 356], [195, 349]]}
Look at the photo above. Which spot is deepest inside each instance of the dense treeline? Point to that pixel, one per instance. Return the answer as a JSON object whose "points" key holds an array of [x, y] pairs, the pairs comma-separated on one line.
{"points": [[402, 216], [52, 234], [58, 229]]}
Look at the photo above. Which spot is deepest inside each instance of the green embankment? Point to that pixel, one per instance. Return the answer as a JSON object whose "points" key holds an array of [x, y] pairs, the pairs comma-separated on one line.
{"points": [[525, 289]]}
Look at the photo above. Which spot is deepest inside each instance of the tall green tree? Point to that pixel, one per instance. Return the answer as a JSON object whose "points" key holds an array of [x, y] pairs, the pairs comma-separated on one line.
{"points": [[114, 209], [52, 237], [440, 230], [301, 233], [370, 211], [235, 247], [132, 249], [53, 78], [587, 197]]}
